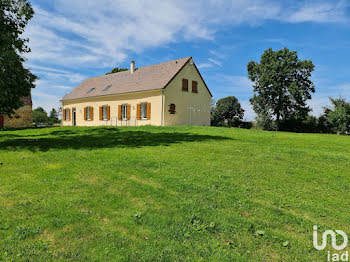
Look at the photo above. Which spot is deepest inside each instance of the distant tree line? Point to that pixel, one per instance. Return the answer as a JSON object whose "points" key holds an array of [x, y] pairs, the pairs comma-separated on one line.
{"points": [[40, 116], [116, 70], [282, 88]]}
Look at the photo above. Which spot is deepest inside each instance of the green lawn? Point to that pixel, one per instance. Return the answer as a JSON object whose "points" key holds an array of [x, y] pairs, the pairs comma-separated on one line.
{"points": [[169, 193]]}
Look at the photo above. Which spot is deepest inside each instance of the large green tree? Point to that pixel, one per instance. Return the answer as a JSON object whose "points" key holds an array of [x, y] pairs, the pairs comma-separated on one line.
{"points": [[228, 112], [15, 80], [282, 86]]}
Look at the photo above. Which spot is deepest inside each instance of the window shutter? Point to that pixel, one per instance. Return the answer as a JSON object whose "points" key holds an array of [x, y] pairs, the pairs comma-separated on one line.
{"points": [[108, 113], [138, 113], [148, 111], [69, 114], [194, 87], [128, 112], [92, 113], [120, 112], [85, 113], [100, 112], [64, 115], [184, 84]]}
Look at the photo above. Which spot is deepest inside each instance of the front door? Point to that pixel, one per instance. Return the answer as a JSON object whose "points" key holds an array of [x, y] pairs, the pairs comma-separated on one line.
{"points": [[1, 121], [74, 118]]}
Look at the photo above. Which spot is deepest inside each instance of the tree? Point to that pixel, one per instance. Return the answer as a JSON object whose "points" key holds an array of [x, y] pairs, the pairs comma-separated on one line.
{"points": [[116, 70], [339, 115], [228, 111], [40, 115], [15, 80], [54, 116], [282, 87]]}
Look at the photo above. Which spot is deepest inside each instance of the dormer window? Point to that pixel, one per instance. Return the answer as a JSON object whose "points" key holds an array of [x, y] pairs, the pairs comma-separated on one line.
{"points": [[106, 88], [90, 90]]}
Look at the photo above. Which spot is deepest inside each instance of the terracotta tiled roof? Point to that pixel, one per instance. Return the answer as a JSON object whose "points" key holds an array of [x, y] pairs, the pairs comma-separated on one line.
{"points": [[143, 79]]}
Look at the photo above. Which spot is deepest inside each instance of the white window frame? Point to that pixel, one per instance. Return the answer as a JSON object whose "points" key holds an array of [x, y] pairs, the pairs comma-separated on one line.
{"points": [[66, 115], [88, 113], [143, 111], [124, 108], [104, 113]]}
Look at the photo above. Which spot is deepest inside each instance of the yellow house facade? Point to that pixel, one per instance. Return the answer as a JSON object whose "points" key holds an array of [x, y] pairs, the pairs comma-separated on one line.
{"points": [[170, 93]]}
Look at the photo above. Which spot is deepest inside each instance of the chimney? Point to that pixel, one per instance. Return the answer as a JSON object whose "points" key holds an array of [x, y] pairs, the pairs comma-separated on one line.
{"points": [[132, 67]]}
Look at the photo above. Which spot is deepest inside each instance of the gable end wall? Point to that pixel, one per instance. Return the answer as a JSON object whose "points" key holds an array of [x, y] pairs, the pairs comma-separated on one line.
{"points": [[191, 108]]}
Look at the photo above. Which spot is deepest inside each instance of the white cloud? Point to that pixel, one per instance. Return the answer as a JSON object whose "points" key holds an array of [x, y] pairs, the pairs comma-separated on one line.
{"points": [[214, 61], [102, 33], [86, 34], [331, 11], [204, 65], [217, 54], [210, 63]]}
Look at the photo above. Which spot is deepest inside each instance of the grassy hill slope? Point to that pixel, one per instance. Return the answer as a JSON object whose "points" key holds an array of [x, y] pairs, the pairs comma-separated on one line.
{"points": [[172, 193]]}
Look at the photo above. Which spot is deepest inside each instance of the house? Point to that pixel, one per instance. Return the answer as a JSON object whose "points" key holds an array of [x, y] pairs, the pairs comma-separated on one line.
{"points": [[21, 118], [169, 93]]}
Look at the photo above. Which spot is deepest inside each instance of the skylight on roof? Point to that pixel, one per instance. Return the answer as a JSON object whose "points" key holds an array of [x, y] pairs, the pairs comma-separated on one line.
{"points": [[106, 88], [91, 89]]}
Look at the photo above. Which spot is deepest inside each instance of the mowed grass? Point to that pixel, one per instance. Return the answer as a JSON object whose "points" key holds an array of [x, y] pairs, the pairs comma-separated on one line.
{"points": [[170, 194]]}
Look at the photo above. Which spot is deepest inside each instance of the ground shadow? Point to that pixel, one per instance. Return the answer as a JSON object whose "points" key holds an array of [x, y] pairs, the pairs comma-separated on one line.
{"points": [[91, 138]]}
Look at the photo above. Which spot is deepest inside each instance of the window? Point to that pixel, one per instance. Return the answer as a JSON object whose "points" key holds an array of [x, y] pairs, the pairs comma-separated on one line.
{"points": [[66, 114], [124, 109], [106, 88], [143, 107], [194, 87], [184, 84], [89, 113], [104, 113], [172, 108], [90, 90]]}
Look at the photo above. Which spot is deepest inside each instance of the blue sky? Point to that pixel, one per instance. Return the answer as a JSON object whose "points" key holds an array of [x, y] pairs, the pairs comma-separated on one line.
{"points": [[73, 40]]}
